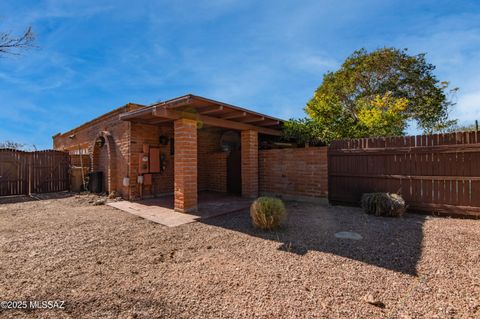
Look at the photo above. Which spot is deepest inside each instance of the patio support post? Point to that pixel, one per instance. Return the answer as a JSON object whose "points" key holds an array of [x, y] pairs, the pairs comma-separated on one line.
{"points": [[185, 165], [249, 140]]}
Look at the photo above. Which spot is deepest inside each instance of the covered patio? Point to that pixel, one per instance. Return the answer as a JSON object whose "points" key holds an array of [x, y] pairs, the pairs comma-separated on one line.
{"points": [[200, 157], [161, 209]]}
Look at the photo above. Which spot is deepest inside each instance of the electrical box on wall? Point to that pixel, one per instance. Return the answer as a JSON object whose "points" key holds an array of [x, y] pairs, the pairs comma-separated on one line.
{"points": [[143, 163], [154, 160]]}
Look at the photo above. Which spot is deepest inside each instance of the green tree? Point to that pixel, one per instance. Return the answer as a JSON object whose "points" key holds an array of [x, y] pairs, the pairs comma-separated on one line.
{"points": [[376, 94]]}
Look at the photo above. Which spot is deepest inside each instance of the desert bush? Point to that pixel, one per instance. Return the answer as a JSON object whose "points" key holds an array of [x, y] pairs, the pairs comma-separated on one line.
{"points": [[383, 204], [267, 213]]}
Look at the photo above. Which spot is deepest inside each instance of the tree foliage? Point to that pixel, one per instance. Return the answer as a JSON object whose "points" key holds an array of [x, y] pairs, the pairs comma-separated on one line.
{"points": [[376, 94]]}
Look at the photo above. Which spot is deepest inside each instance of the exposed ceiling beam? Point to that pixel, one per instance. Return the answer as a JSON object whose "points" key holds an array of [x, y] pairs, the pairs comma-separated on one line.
{"points": [[233, 115], [208, 110], [135, 114], [209, 120], [253, 119], [269, 123]]}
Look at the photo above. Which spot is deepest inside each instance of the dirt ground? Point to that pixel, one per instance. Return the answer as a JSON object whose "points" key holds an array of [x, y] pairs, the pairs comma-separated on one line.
{"points": [[105, 263]]}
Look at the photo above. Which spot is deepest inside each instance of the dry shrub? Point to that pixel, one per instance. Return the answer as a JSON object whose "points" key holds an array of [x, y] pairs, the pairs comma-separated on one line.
{"points": [[383, 204], [267, 213]]}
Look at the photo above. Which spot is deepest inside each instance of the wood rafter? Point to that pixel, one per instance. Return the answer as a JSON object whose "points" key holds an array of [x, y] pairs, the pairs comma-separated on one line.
{"points": [[209, 120], [269, 123], [253, 119], [233, 115], [208, 110]]}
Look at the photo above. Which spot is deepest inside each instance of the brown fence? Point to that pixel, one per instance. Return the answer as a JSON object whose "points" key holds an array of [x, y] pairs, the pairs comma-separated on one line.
{"points": [[434, 173], [33, 172], [14, 173]]}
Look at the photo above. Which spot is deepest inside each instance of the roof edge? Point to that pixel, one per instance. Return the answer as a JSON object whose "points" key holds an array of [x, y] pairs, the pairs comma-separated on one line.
{"points": [[97, 119]]}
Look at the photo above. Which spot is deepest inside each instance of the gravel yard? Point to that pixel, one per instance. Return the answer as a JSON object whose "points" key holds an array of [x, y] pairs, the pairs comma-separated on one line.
{"points": [[109, 264]]}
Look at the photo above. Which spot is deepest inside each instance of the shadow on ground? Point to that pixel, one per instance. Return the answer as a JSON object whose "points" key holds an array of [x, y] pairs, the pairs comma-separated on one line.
{"points": [[392, 243]]}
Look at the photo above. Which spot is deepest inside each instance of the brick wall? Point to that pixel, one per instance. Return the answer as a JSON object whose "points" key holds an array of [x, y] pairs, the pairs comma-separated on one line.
{"points": [[83, 138], [80, 160], [249, 140], [101, 162], [217, 172], [150, 135], [294, 172], [185, 165], [208, 142]]}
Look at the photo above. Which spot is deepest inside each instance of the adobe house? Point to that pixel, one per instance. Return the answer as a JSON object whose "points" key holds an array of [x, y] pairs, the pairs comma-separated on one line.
{"points": [[181, 146]]}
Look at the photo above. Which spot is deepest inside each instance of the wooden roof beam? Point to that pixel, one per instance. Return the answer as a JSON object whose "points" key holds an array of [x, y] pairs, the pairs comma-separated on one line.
{"points": [[269, 123], [208, 110], [233, 115], [253, 119], [214, 121]]}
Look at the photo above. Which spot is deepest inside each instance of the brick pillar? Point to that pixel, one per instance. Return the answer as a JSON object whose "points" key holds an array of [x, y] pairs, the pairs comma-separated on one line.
{"points": [[250, 163], [185, 165]]}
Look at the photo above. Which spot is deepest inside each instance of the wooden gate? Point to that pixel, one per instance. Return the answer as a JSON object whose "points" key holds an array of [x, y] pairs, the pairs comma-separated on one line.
{"points": [[23, 173], [13, 172], [434, 173], [49, 171]]}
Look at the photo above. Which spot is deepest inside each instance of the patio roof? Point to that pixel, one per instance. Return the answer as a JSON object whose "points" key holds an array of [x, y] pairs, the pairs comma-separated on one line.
{"points": [[207, 111]]}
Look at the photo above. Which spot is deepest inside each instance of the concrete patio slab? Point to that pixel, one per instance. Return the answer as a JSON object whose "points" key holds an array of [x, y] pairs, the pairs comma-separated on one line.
{"points": [[161, 215], [160, 210]]}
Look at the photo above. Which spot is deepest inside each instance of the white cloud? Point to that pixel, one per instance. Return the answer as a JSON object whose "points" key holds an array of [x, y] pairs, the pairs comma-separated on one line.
{"points": [[468, 108]]}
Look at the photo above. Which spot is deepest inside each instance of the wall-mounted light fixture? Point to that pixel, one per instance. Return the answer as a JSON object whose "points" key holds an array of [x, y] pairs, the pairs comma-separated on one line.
{"points": [[100, 142]]}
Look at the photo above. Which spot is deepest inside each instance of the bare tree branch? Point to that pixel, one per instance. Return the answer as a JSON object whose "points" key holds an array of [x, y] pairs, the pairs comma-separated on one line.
{"points": [[11, 45], [12, 145]]}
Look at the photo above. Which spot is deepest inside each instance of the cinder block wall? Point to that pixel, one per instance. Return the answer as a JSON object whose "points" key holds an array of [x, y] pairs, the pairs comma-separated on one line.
{"points": [[294, 172]]}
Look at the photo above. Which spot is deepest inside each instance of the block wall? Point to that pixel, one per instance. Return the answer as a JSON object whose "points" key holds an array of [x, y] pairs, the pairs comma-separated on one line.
{"points": [[294, 172]]}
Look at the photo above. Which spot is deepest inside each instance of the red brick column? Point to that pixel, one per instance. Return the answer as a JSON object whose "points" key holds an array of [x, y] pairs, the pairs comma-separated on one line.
{"points": [[249, 163], [185, 166]]}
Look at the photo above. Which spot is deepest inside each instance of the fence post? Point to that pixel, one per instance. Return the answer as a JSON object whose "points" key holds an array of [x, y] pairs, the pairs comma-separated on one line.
{"points": [[30, 172]]}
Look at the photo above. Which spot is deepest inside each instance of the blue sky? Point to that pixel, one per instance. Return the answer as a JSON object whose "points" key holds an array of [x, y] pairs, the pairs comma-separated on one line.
{"points": [[269, 56]]}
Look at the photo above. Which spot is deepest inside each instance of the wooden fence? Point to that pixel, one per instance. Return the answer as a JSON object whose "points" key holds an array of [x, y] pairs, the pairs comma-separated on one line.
{"points": [[23, 173], [434, 173]]}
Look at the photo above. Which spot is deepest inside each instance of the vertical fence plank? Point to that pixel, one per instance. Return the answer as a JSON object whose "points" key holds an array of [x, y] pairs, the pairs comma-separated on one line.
{"points": [[434, 173], [22, 172]]}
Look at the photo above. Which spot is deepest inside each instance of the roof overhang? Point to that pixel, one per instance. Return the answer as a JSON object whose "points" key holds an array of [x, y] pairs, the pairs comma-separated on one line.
{"points": [[208, 112]]}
